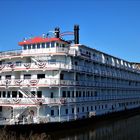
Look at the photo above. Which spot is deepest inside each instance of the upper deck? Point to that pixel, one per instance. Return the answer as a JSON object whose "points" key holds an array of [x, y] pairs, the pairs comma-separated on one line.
{"points": [[49, 46]]}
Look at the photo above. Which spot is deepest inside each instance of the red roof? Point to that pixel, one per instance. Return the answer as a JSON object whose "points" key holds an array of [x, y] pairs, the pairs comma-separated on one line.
{"points": [[36, 40]]}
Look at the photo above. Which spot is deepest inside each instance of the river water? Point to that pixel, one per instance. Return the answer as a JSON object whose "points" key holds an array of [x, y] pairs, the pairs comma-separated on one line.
{"points": [[122, 129]]}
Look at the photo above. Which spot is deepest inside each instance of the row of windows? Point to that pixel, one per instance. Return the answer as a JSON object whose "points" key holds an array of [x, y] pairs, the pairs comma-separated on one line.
{"points": [[79, 94], [15, 94], [102, 67], [101, 93], [105, 58], [96, 107], [43, 45], [26, 76]]}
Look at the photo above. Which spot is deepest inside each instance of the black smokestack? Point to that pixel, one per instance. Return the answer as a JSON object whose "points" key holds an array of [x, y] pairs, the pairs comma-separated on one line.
{"points": [[76, 34], [57, 32]]}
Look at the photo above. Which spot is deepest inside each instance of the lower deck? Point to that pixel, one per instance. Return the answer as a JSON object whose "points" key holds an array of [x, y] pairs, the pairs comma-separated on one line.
{"points": [[65, 112]]}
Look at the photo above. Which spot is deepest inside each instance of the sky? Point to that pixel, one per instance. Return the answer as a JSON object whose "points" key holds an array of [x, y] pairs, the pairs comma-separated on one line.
{"points": [[111, 26]]}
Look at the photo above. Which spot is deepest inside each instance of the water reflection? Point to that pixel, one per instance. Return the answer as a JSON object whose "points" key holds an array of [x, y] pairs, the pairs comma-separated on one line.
{"points": [[124, 129]]}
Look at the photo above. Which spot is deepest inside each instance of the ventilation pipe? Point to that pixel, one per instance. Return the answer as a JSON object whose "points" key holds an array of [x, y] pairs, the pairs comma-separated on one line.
{"points": [[76, 34], [57, 32]]}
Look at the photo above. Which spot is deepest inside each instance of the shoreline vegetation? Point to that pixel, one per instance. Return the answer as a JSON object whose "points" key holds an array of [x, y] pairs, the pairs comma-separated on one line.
{"points": [[12, 135]]}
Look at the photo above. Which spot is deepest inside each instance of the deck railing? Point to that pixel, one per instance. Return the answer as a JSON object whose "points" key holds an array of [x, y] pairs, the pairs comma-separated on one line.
{"points": [[46, 82], [61, 65], [61, 100], [9, 54]]}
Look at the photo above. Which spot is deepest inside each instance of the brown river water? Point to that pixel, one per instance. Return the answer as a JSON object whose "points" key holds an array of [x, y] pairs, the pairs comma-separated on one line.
{"points": [[122, 129]]}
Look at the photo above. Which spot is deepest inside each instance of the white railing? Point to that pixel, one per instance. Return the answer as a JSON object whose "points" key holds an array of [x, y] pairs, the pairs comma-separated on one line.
{"points": [[46, 82], [23, 101], [58, 101], [68, 50], [58, 65], [10, 53]]}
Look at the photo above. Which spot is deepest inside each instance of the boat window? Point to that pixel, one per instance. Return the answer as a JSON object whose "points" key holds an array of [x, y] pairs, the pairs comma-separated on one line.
{"points": [[83, 93], [8, 94], [102, 106], [88, 94], [76, 63], [48, 45], [52, 61], [52, 44], [14, 94], [95, 107], [68, 94], [38, 46], [33, 47], [20, 95], [51, 94], [76, 93], [18, 63], [0, 93], [76, 77], [29, 47], [33, 93], [82, 109], [40, 76], [27, 76], [25, 47], [43, 45], [66, 111], [39, 94], [52, 112], [4, 94], [0, 77], [57, 44], [79, 93], [91, 93], [8, 77], [61, 76], [91, 107], [78, 109], [95, 93], [64, 94], [72, 110], [73, 94]]}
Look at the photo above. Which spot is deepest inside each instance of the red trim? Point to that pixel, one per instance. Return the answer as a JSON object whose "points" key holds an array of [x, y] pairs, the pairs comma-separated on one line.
{"points": [[36, 40], [11, 105]]}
